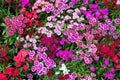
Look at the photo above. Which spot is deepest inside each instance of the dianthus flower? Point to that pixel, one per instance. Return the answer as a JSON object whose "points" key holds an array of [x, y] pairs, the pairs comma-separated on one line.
{"points": [[3, 77], [17, 23], [21, 56]]}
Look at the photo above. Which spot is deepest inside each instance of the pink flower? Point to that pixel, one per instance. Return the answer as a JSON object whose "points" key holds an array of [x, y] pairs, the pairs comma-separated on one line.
{"points": [[117, 21], [20, 30], [88, 60], [7, 21]]}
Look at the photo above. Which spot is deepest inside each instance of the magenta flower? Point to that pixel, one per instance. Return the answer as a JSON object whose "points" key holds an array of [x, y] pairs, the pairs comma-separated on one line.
{"points": [[25, 3], [106, 62], [62, 42], [30, 76], [92, 68], [104, 11], [85, 1], [112, 69], [109, 75], [94, 6]]}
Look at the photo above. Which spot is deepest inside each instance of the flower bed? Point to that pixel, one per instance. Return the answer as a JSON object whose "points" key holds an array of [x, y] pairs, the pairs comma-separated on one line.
{"points": [[59, 40]]}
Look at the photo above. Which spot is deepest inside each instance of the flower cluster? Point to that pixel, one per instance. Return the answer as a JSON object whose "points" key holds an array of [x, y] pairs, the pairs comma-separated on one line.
{"points": [[17, 23], [39, 66], [66, 54], [21, 57], [50, 42], [76, 40], [45, 6], [49, 6], [95, 12], [12, 71]]}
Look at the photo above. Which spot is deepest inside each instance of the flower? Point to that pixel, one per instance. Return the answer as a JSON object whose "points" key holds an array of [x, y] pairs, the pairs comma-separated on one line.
{"points": [[18, 45], [7, 20], [104, 50], [66, 54], [106, 2], [9, 70], [64, 69], [115, 59], [117, 21], [93, 74], [85, 2], [49, 73], [60, 77], [25, 3], [112, 69], [106, 61], [28, 15], [94, 6], [109, 75], [96, 59], [29, 76], [21, 56], [6, 59], [63, 40], [17, 23], [25, 67], [3, 76], [15, 73], [92, 68], [118, 3], [74, 74], [66, 76], [3, 54]]}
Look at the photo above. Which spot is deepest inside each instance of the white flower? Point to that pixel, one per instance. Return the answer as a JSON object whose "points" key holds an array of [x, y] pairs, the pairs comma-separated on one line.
{"points": [[27, 37], [118, 2], [64, 69], [57, 73]]}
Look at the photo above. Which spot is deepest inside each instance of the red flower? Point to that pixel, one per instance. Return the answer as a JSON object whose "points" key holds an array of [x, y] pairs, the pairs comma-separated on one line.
{"points": [[118, 41], [35, 14], [3, 54], [115, 59], [60, 77], [114, 1], [18, 45], [24, 33], [40, 24], [9, 70], [97, 36], [6, 60], [111, 7], [25, 67], [29, 60], [3, 76], [38, 34], [30, 34], [18, 64], [29, 23], [98, 0], [15, 73], [106, 2], [49, 73], [118, 66], [104, 50], [107, 38], [52, 56], [1, 47], [118, 53], [28, 15], [66, 76]]}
